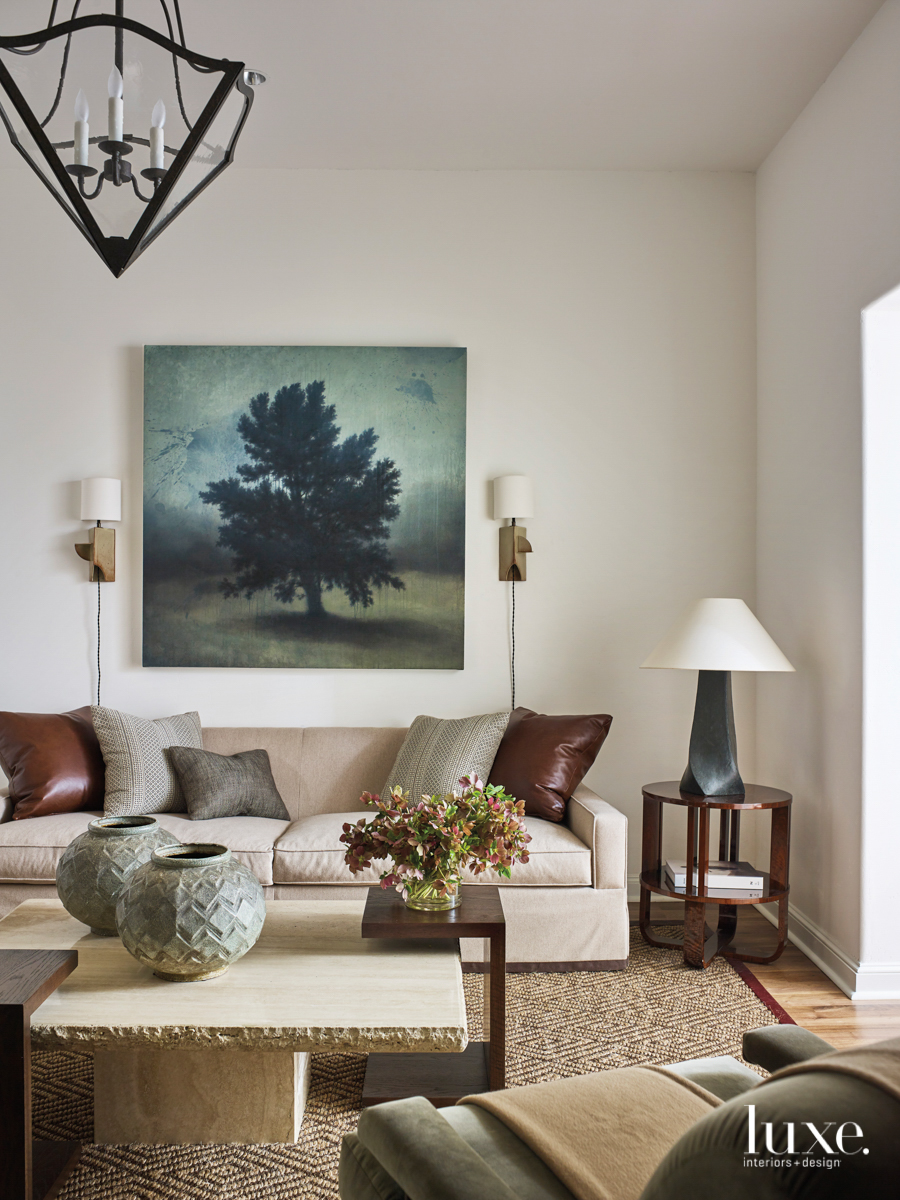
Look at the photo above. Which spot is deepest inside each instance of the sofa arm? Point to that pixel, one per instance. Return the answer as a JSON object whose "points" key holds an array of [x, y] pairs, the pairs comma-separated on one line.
{"points": [[605, 830], [424, 1154], [777, 1046], [6, 805]]}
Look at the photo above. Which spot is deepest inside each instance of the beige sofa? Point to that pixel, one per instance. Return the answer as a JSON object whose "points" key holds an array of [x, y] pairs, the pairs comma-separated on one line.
{"points": [[565, 909]]}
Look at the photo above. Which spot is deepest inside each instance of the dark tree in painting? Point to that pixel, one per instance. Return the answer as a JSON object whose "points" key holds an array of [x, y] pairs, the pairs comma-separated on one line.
{"points": [[307, 513]]}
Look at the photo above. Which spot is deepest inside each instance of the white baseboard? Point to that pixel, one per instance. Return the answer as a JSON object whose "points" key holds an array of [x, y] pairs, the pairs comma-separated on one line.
{"points": [[815, 943], [859, 981]]}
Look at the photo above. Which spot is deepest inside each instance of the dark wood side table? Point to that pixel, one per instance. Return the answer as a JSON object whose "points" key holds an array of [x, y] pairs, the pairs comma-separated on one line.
{"points": [[28, 1170], [444, 1078], [701, 944]]}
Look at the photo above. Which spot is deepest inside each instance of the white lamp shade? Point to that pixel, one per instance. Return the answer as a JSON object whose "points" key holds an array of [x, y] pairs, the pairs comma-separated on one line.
{"points": [[101, 499], [718, 635], [513, 497]]}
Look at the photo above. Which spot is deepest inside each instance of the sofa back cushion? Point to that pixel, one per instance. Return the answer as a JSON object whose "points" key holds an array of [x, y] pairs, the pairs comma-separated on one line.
{"points": [[339, 764], [317, 770], [283, 746]]}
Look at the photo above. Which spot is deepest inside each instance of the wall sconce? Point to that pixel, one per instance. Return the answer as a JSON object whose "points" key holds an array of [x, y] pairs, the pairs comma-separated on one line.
{"points": [[513, 498], [101, 500]]}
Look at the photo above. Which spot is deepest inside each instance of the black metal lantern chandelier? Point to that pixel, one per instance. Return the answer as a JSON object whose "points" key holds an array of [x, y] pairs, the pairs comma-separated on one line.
{"points": [[179, 112]]}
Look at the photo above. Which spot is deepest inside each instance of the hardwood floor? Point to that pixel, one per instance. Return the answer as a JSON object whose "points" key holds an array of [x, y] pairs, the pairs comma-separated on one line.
{"points": [[801, 988]]}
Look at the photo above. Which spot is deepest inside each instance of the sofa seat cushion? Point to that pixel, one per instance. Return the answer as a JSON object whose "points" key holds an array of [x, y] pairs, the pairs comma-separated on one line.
{"points": [[30, 850], [250, 839], [310, 852], [556, 858]]}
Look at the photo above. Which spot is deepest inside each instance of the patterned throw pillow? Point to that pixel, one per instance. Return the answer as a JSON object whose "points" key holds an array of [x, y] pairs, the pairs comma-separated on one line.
{"points": [[227, 785], [139, 777], [436, 753]]}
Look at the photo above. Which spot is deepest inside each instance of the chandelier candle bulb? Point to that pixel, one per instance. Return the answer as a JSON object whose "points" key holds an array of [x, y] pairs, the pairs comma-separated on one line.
{"points": [[116, 106], [157, 142], [82, 130]]}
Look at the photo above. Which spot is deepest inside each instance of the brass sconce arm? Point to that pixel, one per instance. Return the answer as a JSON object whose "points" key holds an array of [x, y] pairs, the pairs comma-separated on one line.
{"points": [[100, 552], [514, 545]]}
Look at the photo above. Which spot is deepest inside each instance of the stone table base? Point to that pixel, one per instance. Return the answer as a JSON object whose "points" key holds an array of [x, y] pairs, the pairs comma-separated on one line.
{"points": [[225, 1059], [188, 1096]]}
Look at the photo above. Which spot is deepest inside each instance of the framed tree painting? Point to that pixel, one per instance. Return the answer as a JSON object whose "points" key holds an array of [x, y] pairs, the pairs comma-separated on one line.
{"points": [[304, 506]]}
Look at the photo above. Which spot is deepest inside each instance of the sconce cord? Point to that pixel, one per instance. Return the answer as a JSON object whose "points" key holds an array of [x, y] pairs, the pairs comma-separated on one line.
{"points": [[512, 658], [98, 641], [98, 633], [512, 661]]}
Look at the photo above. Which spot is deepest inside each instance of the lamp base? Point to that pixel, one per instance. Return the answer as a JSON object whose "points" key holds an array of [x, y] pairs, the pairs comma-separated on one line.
{"points": [[712, 761]]}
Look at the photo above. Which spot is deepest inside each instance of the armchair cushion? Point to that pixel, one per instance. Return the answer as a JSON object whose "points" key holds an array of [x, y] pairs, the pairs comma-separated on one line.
{"points": [[506, 1154], [723, 1075], [777, 1046], [602, 1135], [361, 1176], [708, 1162], [427, 1158]]}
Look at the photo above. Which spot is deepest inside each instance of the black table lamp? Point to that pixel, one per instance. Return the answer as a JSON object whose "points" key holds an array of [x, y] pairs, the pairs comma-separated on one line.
{"points": [[715, 637]]}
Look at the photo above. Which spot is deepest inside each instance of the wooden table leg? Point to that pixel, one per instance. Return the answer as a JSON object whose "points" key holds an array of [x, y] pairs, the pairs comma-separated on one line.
{"points": [[727, 924], [780, 944], [651, 860], [15, 1103], [496, 1045], [694, 932], [28, 1170]]}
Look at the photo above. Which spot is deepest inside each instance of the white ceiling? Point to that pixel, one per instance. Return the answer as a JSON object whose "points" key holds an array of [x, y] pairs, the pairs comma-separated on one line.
{"points": [[479, 84]]}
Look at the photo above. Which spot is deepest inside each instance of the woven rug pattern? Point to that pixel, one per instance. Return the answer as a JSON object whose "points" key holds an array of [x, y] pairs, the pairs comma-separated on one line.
{"points": [[655, 1011]]}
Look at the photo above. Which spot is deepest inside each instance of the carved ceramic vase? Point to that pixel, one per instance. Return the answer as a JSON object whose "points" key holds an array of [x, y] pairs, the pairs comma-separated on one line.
{"points": [[99, 862], [190, 912]]}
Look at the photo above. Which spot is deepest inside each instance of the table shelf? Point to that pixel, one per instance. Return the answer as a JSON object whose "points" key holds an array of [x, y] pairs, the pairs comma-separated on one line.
{"points": [[656, 882]]}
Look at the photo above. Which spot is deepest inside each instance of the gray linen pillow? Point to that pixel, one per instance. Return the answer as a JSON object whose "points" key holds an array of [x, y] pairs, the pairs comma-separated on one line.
{"points": [[227, 785], [139, 778], [436, 754]]}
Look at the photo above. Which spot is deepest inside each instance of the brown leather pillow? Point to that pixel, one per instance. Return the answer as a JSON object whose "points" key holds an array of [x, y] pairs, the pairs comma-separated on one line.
{"points": [[53, 762], [542, 759]]}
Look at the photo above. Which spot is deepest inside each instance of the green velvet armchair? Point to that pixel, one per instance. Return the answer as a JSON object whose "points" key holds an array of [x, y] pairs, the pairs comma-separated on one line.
{"points": [[408, 1150]]}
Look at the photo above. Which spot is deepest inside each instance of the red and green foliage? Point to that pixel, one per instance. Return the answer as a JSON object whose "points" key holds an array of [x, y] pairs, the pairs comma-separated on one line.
{"points": [[435, 837]]}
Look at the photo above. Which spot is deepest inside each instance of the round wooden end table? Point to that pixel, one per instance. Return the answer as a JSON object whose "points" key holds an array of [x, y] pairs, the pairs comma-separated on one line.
{"points": [[700, 943]]}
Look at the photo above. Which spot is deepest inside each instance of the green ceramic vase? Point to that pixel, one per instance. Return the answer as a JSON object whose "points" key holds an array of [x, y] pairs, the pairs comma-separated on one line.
{"points": [[190, 912], [99, 862]]}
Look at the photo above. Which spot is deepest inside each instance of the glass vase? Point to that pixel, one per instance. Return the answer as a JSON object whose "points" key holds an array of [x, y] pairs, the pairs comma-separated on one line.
{"points": [[435, 894]]}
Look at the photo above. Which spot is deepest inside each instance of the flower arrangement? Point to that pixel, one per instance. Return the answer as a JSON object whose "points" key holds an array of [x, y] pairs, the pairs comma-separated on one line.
{"points": [[432, 839]]}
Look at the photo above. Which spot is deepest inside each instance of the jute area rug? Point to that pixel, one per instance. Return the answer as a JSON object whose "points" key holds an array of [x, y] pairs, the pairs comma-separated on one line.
{"points": [[656, 1011]]}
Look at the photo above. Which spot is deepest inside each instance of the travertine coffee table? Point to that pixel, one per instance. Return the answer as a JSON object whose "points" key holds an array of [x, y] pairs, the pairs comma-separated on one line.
{"points": [[227, 1059]]}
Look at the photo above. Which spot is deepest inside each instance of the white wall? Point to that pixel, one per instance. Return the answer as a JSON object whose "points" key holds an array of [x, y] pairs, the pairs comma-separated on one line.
{"points": [[879, 973], [609, 319], [828, 202]]}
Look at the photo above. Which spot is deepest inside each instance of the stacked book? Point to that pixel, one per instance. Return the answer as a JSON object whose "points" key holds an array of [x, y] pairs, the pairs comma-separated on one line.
{"points": [[726, 878]]}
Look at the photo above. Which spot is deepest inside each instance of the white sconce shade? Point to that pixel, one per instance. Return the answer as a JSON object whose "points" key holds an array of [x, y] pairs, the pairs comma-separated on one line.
{"points": [[101, 499], [718, 635], [513, 497]]}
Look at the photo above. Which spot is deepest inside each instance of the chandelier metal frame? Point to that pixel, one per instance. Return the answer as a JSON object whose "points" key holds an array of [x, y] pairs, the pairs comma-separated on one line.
{"points": [[119, 252]]}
